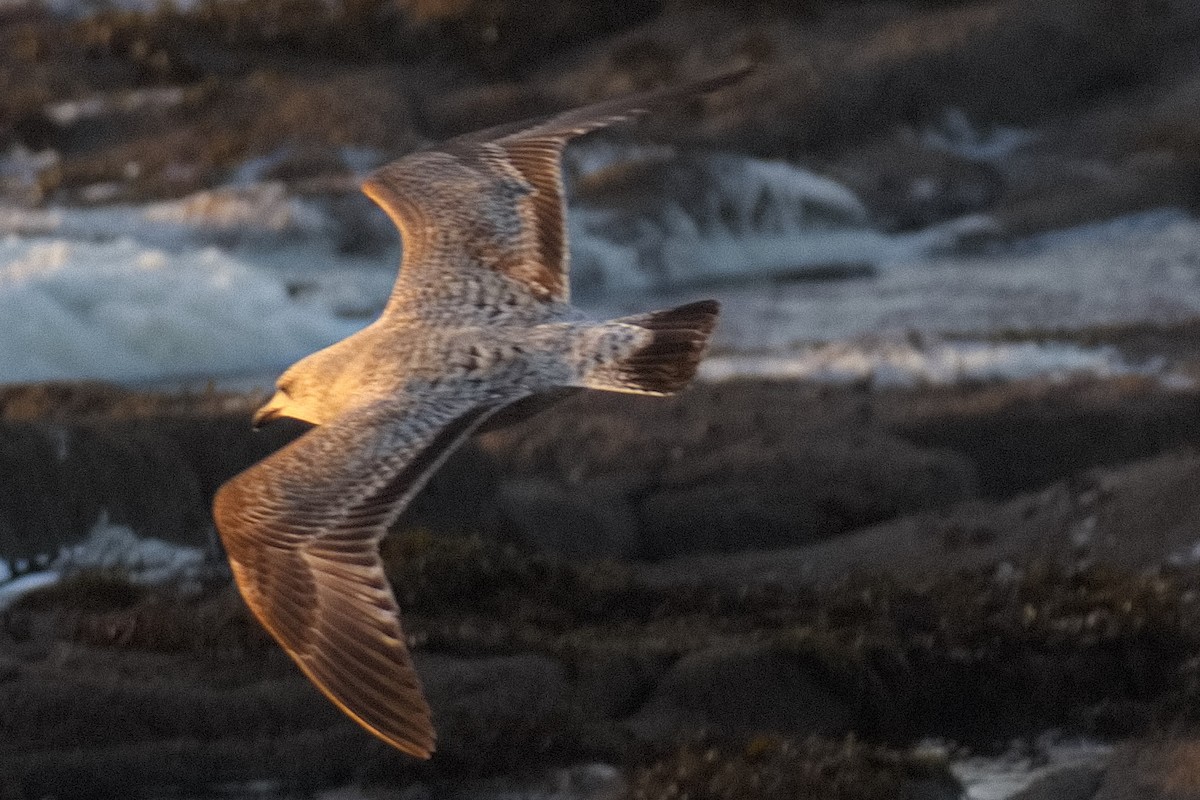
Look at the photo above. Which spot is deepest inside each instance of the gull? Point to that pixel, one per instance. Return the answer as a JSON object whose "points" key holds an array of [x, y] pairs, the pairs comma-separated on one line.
{"points": [[479, 319]]}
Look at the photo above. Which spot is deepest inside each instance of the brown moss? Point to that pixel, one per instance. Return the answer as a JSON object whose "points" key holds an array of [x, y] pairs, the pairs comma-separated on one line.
{"points": [[971, 658], [103, 609], [772, 767]]}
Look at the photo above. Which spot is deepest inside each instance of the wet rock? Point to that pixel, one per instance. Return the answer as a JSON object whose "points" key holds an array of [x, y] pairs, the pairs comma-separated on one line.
{"points": [[778, 768], [744, 689], [588, 522], [496, 710], [1141, 515], [474, 108], [812, 487], [1071, 782], [74, 453], [907, 184], [500, 37], [615, 682], [60, 480], [593, 781], [461, 497], [695, 474]]}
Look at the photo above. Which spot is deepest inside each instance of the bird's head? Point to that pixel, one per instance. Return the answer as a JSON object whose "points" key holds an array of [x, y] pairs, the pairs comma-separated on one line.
{"points": [[290, 400]]}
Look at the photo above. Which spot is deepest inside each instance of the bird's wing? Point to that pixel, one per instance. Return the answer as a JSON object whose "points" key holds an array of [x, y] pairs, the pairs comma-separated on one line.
{"points": [[302, 531], [494, 199]]}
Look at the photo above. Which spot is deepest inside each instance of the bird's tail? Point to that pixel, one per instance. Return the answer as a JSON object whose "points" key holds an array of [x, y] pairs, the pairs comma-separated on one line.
{"points": [[665, 352]]}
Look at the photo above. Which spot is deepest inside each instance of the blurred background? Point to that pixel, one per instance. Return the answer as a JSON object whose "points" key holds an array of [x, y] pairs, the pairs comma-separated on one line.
{"points": [[926, 527]]}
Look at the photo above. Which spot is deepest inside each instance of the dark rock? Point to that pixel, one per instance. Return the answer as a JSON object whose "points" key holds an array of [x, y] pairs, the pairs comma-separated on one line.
{"points": [[461, 497], [695, 472], [1077, 781], [769, 767], [587, 521], [509, 36], [810, 488], [909, 186], [747, 690], [496, 710], [1139, 516], [614, 682]]}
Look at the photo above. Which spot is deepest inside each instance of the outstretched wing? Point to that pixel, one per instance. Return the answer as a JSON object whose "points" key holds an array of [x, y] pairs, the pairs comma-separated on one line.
{"points": [[493, 200], [302, 531]]}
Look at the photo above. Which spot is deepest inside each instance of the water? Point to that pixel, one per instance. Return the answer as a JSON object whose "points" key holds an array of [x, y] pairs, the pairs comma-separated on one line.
{"points": [[246, 279]]}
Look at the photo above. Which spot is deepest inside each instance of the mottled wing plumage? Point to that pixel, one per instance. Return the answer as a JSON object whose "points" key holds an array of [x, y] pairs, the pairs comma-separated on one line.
{"points": [[302, 530], [477, 320], [517, 169]]}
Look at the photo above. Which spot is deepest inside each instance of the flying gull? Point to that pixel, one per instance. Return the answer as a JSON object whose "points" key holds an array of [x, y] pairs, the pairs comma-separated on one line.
{"points": [[479, 319]]}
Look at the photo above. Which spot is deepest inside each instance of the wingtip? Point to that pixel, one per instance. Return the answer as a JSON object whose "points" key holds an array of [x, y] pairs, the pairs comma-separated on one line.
{"points": [[423, 750]]}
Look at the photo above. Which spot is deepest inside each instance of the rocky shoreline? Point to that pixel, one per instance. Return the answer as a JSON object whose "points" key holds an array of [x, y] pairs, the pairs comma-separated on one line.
{"points": [[759, 589], [1040, 117], [562, 615]]}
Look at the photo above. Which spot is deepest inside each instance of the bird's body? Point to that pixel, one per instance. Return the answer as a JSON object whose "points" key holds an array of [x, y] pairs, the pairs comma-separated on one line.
{"points": [[479, 319]]}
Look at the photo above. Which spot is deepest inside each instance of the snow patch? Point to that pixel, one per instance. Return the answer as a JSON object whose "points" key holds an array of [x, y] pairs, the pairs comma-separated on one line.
{"points": [[262, 207], [245, 279]]}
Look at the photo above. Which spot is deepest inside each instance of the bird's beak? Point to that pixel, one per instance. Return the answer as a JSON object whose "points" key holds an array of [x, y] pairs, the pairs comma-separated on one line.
{"points": [[273, 409]]}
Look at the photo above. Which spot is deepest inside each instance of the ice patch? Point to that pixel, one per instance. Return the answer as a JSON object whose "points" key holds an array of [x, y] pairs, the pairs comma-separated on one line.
{"points": [[1143, 224], [245, 279], [900, 362]]}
